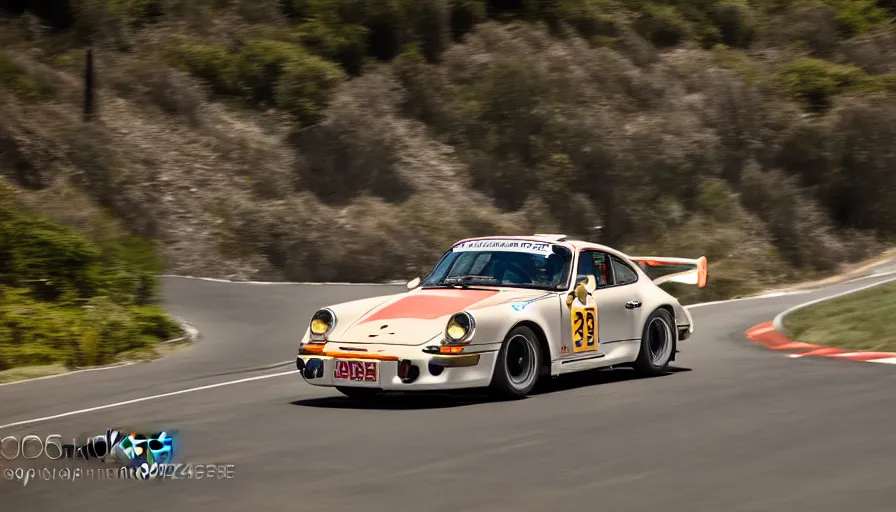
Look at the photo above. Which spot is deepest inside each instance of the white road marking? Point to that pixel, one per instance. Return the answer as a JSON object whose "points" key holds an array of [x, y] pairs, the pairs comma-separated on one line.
{"points": [[889, 360], [876, 273], [146, 398], [766, 296]]}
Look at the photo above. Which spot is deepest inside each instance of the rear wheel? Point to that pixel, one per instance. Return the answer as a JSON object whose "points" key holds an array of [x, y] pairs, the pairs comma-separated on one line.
{"points": [[519, 364], [360, 393], [657, 343]]}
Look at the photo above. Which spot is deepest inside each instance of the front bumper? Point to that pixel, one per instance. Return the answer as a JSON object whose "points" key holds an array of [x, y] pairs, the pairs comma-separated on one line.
{"points": [[472, 369]]}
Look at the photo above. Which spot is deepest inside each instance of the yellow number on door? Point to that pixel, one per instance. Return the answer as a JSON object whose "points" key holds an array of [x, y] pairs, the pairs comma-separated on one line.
{"points": [[584, 328]]}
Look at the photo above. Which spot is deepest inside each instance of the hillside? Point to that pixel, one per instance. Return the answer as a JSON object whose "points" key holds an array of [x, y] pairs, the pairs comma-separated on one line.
{"points": [[347, 140]]}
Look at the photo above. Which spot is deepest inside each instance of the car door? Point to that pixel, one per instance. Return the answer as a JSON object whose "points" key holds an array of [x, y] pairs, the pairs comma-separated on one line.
{"points": [[618, 300], [579, 321]]}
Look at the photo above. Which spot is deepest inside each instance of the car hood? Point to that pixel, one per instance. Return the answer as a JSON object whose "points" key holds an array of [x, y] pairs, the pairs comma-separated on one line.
{"points": [[417, 317]]}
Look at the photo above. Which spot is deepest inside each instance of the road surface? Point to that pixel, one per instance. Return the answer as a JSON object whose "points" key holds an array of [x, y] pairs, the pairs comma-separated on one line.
{"points": [[735, 428]]}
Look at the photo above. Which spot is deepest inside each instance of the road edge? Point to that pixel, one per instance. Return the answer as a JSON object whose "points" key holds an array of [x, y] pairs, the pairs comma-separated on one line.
{"points": [[190, 335], [772, 335], [778, 321]]}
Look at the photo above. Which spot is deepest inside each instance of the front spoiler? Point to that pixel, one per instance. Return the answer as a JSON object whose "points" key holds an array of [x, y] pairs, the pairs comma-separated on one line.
{"points": [[434, 371]]}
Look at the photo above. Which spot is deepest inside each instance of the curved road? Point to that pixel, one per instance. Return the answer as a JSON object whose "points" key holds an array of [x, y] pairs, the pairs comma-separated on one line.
{"points": [[736, 428]]}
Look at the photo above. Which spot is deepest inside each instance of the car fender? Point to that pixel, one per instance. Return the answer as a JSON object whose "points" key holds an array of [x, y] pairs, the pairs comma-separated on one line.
{"points": [[655, 298], [542, 313]]}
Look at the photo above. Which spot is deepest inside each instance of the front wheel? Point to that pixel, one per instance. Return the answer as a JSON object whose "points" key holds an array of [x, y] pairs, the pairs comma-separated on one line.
{"points": [[519, 364], [360, 393], [657, 343]]}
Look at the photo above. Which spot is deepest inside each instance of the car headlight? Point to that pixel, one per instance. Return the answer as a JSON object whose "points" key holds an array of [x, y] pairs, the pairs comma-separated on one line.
{"points": [[323, 322], [460, 327]]}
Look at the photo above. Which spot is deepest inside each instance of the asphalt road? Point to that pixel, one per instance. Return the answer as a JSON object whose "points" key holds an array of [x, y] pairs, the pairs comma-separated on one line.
{"points": [[735, 428]]}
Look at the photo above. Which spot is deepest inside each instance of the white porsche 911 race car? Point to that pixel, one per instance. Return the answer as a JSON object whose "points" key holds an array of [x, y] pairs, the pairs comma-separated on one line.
{"points": [[500, 313]]}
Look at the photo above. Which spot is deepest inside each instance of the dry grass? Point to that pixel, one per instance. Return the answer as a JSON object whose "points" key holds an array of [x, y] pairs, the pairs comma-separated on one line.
{"points": [[852, 322]]}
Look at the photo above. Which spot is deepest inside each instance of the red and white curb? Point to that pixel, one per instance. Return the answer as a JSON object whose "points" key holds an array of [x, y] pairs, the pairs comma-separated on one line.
{"points": [[769, 335], [765, 334]]}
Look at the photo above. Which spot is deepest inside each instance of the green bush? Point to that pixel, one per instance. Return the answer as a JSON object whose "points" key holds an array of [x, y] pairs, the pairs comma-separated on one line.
{"points": [[48, 259], [31, 87], [266, 73], [33, 332], [210, 63], [736, 23], [343, 43], [304, 87], [67, 299], [259, 65], [815, 82], [154, 323], [856, 17], [663, 25]]}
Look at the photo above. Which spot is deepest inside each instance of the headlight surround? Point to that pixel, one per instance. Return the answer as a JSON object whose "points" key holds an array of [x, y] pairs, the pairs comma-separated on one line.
{"points": [[323, 322], [460, 327]]}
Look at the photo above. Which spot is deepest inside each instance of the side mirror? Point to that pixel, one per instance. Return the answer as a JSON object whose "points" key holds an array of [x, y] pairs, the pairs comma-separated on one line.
{"points": [[413, 283], [581, 293]]}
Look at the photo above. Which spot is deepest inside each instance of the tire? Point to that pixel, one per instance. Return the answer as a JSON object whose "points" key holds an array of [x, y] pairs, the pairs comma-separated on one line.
{"points": [[658, 342], [519, 364], [360, 393]]}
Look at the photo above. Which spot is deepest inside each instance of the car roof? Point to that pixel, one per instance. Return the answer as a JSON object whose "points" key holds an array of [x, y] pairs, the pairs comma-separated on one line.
{"points": [[575, 245]]}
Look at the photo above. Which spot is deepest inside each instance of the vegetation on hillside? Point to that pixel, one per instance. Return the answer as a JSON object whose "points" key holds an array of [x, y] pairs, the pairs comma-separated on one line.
{"points": [[69, 299], [353, 140], [852, 322]]}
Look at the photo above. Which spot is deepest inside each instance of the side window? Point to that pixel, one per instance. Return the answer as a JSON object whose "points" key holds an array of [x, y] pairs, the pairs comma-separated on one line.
{"points": [[585, 268], [623, 272], [602, 267]]}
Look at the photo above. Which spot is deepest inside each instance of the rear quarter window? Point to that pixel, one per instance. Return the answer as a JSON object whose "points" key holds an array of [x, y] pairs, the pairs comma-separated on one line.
{"points": [[624, 273]]}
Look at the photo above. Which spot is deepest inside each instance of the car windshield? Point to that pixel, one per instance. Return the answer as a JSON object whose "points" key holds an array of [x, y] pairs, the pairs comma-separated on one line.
{"points": [[512, 263]]}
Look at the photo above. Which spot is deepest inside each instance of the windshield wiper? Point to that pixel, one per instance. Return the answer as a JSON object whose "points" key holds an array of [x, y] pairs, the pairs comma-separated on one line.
{"points": [[467, 280]]}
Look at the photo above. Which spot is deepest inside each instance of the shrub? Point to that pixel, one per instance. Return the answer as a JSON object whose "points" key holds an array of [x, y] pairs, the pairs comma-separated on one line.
{"points": [[353, 151], [663, 25], [174, 91], [856, 17], [266, 73], [735, 22], [425, 95], [54, 263], [29, 86], [465, 14], [67, 299], [798, 228], [154, 323], [343, 42], [208, 62], [259, 65], [815, 82], [859, 188], [305, 86], [34, 332]]}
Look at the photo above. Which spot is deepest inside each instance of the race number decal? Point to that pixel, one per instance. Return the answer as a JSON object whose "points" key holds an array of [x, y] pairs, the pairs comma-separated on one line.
{"points": [[584, 328]]}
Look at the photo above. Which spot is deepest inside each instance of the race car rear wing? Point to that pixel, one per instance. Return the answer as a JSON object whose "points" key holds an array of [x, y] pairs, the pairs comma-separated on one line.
{"points": [[674, 270]]}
